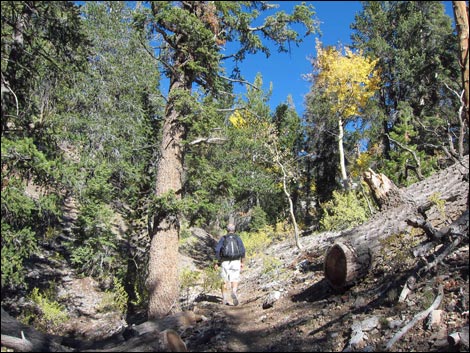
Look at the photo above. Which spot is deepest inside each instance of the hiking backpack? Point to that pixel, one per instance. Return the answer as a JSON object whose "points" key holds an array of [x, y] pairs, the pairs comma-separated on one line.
{"points": [[230, 249]]}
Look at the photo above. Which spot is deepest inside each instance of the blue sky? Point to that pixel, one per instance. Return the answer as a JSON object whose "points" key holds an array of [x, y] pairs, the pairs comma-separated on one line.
{"points": [[285, 70]]}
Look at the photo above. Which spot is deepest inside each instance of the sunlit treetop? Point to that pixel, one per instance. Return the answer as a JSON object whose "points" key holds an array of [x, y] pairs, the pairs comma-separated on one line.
{"points": [[349, 80]]}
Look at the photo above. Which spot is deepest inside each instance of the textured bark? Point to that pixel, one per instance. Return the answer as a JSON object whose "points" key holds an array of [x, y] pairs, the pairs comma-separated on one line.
{"points": [[450, 185], [162, 281]]}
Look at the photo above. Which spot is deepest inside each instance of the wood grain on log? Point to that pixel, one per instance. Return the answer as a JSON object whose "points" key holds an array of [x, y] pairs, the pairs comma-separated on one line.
{"points": [[344, 264]]}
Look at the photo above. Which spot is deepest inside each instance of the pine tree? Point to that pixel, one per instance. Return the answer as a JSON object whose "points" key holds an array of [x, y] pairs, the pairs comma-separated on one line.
{"points": [[193, 34]]}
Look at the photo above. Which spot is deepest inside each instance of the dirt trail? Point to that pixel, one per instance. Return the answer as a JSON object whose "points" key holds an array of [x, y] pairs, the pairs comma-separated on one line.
{"points": [[310, 316], [242, 335]]}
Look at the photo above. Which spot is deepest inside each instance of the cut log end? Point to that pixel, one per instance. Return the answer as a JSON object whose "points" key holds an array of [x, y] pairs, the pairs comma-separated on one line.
{"points": [[345, 265]]}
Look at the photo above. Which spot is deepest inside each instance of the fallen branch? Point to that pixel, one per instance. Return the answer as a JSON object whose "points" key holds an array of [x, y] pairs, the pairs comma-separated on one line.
{"points": [[407, 288], [431, 232], [420, 316], [410, 282], [458, 228], [18, 344]]}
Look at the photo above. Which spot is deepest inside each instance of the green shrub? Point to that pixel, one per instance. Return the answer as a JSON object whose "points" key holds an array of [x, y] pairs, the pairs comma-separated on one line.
{"points": [[16, 246], [115, 299], [188, 278], [345, 210], [95, 251], [271, 264], [256, 242], [211, 279], [52, 313]]}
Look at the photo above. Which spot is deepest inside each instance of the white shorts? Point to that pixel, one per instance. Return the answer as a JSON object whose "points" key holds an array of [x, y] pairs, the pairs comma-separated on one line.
{"points": [[230, 270]]}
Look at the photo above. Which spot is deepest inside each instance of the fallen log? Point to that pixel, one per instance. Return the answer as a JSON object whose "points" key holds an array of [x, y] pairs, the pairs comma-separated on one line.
{"points": [[176, 321], [344, 264], [348, 260], [155, 341], [23, 338], [18, 344]]}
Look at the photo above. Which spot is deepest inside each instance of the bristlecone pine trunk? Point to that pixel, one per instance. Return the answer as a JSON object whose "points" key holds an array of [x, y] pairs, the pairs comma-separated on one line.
{"points": [[348, 260], [162, 281]]}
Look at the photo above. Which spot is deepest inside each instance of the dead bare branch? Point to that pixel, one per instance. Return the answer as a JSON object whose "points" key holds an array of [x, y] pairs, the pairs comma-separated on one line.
{"points": [[420, 316]]}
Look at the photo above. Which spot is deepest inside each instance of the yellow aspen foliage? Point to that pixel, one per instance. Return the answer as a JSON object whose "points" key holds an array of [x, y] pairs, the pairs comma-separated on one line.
{"points": [[237, 119], [350, 80]]}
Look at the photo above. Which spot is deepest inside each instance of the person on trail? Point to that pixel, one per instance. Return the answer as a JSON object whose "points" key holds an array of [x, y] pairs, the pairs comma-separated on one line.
{"points": [[230, 253]]}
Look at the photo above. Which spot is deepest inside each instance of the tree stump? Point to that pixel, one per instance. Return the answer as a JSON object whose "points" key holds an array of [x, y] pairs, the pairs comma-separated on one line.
{"points": [[386, 194]]}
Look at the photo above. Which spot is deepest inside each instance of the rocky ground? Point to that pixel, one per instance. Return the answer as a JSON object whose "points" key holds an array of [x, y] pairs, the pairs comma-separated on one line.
{"points": [[291, 307], [286, 304]]}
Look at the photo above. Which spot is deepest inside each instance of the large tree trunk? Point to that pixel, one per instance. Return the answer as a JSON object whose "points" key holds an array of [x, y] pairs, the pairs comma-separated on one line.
{"points": [[162, 281], [461, 20], [10, 81], [347, 261]]}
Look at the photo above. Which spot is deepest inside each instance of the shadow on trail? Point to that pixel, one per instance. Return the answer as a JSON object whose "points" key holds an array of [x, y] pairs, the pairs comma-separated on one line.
{"points": [[317, 292], [208, 298]]}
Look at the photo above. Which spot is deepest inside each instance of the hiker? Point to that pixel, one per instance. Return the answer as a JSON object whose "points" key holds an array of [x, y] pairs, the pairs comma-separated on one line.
{"points": [[230, 253]]}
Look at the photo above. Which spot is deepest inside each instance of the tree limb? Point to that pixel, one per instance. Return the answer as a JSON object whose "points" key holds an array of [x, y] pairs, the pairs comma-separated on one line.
{"points": [[413, 153], [213, 140], [431, 232], [420, 316], [239, 81]]}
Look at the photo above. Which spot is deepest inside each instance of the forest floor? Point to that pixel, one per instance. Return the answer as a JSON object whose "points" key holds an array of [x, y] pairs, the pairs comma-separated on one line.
{"points": [[310, 316], [286, 304]]}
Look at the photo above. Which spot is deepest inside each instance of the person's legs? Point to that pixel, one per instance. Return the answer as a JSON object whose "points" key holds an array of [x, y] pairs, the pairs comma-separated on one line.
{"points": [[231, 275], [234, 280], [225, 287], [225, 290], [234, 292]]}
